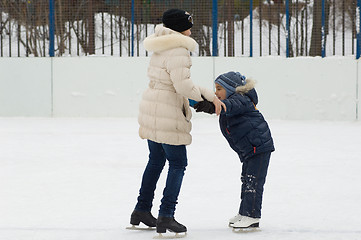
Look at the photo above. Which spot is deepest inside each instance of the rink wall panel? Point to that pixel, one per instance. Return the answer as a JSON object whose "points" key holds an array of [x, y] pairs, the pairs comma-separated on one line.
{"points": [[98, 86], [25, 87], [300, 88], [288, 88]]}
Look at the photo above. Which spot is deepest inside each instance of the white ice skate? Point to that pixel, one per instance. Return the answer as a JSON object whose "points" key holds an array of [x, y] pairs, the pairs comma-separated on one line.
{"points": [[234, 219], [246, 223]]}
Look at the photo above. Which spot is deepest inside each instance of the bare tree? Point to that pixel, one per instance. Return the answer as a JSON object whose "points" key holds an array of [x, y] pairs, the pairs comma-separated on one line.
{"points": [[316, 37]]}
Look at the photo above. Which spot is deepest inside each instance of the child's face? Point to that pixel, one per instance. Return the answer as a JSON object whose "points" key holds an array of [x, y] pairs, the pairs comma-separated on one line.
{"points": [[220, 92]]}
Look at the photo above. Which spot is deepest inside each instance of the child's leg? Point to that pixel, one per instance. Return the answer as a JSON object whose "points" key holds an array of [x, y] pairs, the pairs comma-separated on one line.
{"points": [[254, 172]]}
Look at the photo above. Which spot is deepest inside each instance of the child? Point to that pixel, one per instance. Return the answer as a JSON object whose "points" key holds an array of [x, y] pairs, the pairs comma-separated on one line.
{"points": [[249, 136]]}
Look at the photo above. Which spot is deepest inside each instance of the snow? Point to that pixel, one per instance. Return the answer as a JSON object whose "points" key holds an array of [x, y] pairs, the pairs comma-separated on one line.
{"points": [[78, 178]]}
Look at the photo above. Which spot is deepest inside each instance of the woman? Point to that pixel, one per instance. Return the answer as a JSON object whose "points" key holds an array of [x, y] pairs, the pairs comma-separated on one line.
{"points": [[165, 115]]}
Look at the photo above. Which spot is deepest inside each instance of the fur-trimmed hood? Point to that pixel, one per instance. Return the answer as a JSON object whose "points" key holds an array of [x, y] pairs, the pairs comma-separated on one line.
{"points": [[249, 90], [165, 39]]}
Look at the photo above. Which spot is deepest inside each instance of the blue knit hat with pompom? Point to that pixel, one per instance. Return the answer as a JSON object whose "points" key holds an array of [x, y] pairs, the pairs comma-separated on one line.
{"points": [[230, 81]]}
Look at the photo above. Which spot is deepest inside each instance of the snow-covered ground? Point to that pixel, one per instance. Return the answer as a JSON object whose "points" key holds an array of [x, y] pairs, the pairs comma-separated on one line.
{"points": [[65, 179]]}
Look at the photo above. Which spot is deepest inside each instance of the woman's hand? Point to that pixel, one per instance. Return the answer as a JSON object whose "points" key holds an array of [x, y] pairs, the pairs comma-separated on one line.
{"points": [[218, 104]]}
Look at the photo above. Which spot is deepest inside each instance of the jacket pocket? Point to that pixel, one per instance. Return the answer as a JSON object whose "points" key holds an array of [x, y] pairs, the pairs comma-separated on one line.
{"points": [[186, 111], [246, 146], [254, 139]]}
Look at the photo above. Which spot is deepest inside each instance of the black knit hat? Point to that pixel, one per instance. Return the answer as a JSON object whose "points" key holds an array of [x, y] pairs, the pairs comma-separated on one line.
{"points": [[177, 20]]}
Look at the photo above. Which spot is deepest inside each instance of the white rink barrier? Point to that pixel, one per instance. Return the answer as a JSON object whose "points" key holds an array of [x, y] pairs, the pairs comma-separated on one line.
{"points": [[288, 88]]}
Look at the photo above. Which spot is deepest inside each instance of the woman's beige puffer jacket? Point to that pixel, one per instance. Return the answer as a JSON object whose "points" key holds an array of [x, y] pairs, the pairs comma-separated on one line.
{"points": [[164, 112]]}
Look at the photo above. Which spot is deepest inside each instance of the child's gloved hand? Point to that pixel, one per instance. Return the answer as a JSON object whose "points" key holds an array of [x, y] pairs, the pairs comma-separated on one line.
{"points": [[205, 106]]}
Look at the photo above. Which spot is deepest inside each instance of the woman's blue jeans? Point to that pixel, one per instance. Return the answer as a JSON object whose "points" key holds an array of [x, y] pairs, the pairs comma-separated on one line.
{"points": [[158, 154]]}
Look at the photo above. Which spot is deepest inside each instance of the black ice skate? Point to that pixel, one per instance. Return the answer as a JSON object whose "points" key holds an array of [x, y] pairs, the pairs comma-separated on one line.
{"points": [[170, 224], [145, 217]]}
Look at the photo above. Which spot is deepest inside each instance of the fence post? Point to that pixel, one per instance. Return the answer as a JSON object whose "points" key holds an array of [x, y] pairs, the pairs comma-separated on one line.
{"points": [[51, 28], [215, 28], [358, 29], [287, 29], [251, 28], [132, 38], [323, 39]]}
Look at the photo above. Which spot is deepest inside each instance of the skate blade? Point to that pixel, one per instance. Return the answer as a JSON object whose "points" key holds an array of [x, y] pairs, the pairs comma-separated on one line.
{"points": [[133, 227], [167, 236], [246, 230]]}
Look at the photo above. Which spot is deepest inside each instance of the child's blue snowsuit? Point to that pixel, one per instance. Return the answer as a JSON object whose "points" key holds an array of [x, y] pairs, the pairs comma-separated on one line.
{"points": [[248, 134]]}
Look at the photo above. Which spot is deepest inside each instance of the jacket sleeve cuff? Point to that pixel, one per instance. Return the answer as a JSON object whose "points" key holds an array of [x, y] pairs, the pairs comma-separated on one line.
{"points": [[207, 94]]}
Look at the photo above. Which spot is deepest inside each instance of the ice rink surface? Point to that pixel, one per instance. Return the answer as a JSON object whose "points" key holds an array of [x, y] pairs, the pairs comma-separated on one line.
{"points": [[67, 179]]}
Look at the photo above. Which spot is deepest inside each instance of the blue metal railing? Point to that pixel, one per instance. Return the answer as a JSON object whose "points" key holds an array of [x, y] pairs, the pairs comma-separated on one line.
{"points": [[287, 28], [132, 20], [358, 21], [323, 31], [215, 28], [51, 28], [251, 28]]}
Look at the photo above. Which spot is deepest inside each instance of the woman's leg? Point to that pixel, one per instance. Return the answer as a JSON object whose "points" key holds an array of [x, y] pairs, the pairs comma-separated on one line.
{"points": [[150, 176], [177, 157]]}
